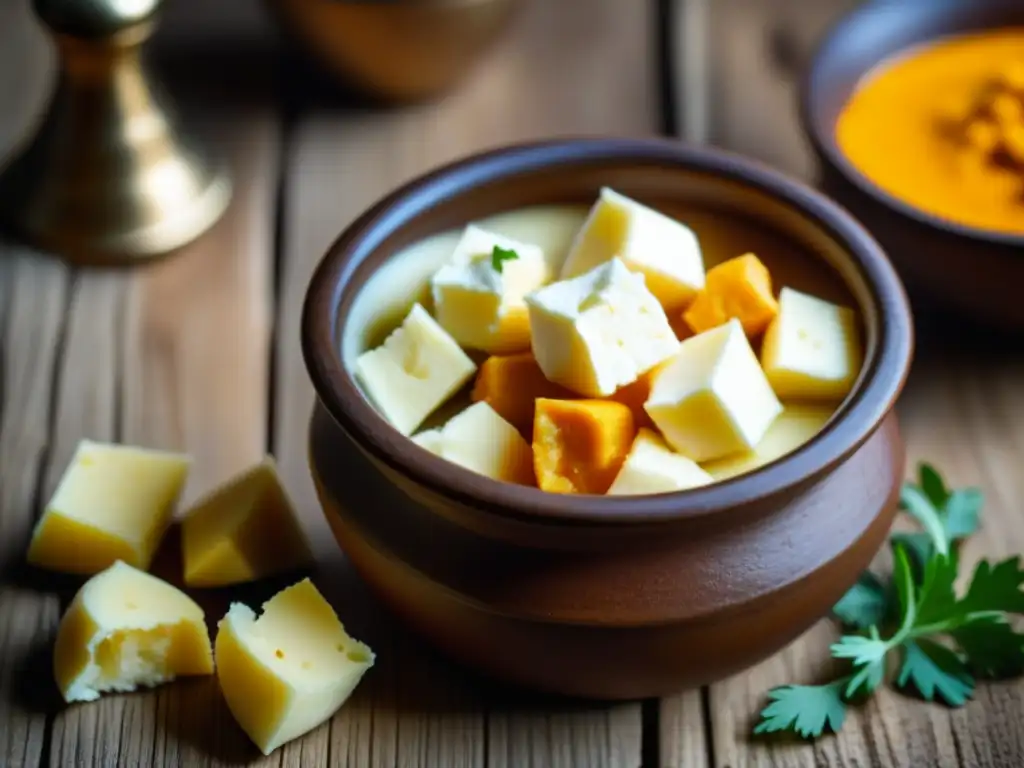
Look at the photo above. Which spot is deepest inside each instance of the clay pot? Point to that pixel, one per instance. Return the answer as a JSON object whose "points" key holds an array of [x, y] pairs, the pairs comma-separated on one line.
{"points": [[974, 272], [597, 596]]}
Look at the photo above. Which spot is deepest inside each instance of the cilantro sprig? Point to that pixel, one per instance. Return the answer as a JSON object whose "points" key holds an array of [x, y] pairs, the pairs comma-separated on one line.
{"points": [[500, 255], [939, 642]]}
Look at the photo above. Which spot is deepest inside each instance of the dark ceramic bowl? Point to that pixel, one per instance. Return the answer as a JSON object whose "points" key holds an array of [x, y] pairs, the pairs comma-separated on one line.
{"points": [[597, 596], [973, 271]]}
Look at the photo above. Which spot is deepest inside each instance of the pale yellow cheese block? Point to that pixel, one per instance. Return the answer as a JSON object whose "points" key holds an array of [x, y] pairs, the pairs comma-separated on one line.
{"points": [[653, 467], [480, 301], [125, 629], [712, 399], [812, 349], [244, 530], [114, 502], [290, 669], [477, 438], [796, 425]]}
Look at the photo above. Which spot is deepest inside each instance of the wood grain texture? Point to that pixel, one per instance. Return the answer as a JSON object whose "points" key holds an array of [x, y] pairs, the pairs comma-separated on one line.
{"points": [[963, 410], [33, 297], [175, 355], [560, 70]]}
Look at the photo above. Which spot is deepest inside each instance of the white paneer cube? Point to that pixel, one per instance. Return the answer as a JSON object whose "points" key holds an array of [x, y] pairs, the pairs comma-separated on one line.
{"points": [[797, 424], [478, 295], [599, 331], [811, 349], [653, 467], [414, 371], [712, 399], [665, 251], [480, 440]]}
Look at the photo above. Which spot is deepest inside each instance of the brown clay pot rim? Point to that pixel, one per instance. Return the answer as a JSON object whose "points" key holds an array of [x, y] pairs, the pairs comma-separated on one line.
{"points": [[335, 283], [821, 132]]}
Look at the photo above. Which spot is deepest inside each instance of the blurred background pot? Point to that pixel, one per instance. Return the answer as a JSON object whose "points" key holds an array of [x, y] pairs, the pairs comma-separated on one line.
{"points": [[396, 50]]}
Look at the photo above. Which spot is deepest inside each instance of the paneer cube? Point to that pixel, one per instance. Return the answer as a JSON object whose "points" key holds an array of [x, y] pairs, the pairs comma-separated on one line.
{"points": [[796, 425], [417, 368], [712, 399], [812, 350], [599, 331], [653, 467], [478, 296], [665, 251], [740, 288], [480, 440], [579, 445], [113, 503]]}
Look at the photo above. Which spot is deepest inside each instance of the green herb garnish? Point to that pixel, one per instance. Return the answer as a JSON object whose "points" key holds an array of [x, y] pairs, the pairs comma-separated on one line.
{"points": [[500, 255], [943, 642]]}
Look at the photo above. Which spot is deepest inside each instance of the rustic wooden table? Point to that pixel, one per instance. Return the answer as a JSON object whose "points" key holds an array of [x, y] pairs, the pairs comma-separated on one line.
{"points": [[201, 353]]}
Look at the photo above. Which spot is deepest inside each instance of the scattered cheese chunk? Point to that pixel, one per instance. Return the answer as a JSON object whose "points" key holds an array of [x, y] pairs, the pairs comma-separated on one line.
{"points": [[414, 371], [797, 424], [511, 384], [653, 467], [712, 398], [287, 671], [579, 446], [599, 331], [243, 531], [480, 440], [811, 350], [740, 288], [114, 502], [663, 250], [478, 296], [125, 629]]}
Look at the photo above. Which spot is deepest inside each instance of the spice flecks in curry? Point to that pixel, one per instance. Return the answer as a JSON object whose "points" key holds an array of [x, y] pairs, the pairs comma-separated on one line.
{"points": [[941, 128]]}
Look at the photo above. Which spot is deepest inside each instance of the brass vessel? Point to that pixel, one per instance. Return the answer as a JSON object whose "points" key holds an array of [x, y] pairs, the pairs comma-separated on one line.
{"points": [[108, 176], [400, 50]]}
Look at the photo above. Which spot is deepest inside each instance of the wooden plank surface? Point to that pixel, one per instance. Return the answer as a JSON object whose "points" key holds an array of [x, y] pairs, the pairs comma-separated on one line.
{"points": [[175, 355], [963, 410], [559, 71]]}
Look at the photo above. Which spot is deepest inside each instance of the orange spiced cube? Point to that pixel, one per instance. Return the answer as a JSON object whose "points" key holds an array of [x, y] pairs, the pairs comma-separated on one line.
{"points": [[579, 446], [740, 288], [510, 384]]}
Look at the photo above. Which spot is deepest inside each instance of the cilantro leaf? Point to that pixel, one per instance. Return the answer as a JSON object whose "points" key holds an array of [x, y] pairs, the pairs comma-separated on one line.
{"points": [[934, 670], [937, 598], [917, 504], [865, 604], [995, 588], [860, 650], [932, 485], [905, 593], [500, 255], [992, 647], [961, 513], [866, 679], [804, 709], [919, 549]]}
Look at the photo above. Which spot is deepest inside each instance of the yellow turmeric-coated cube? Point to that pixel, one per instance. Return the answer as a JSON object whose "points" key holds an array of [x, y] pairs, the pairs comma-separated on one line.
{"points": [[740, 288], [510, 384], [579, 446]]}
